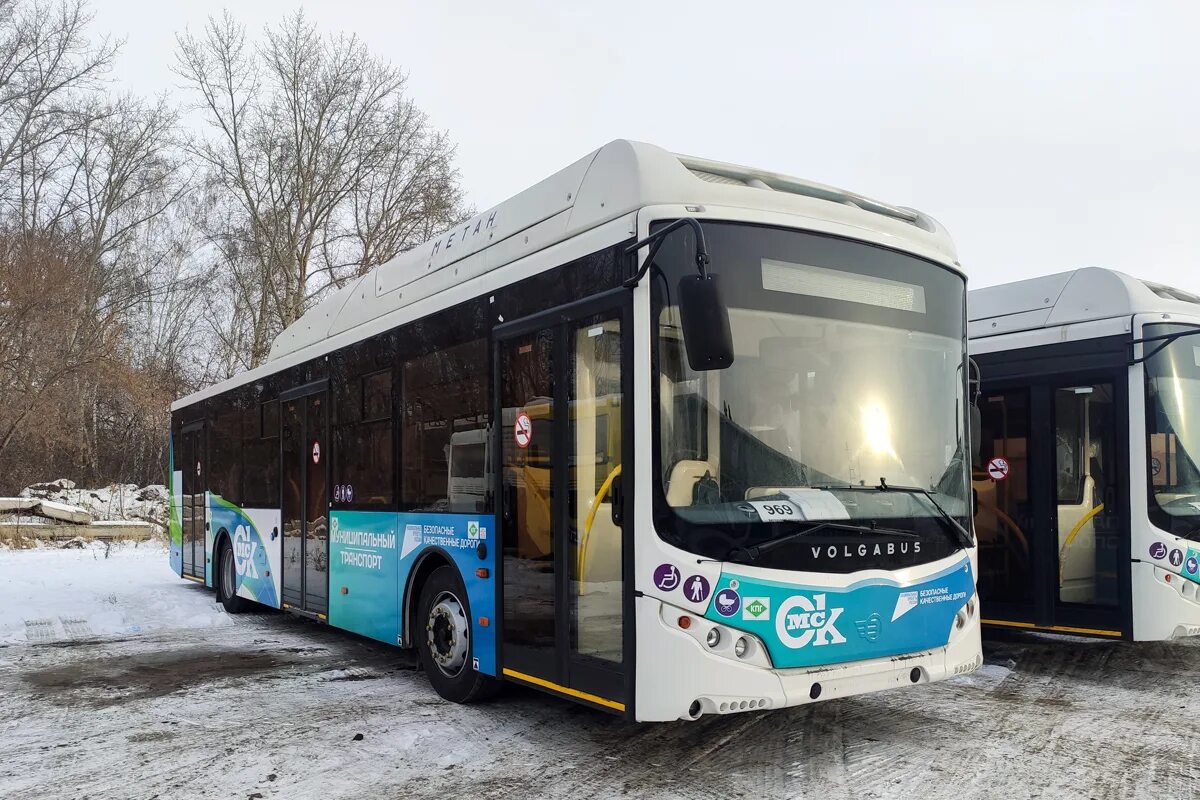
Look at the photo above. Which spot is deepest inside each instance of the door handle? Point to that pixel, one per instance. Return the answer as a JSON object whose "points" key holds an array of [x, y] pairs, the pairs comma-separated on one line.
{"points": [[616, 498]]}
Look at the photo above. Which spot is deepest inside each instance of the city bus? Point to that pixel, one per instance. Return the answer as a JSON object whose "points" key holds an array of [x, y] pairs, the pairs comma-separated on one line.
{"points": [[1086, 480], [663, 435]]}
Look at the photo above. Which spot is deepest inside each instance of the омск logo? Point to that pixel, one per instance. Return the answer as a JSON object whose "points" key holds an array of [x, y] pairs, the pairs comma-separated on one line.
{"points": [[243, 552], [800, 620]]}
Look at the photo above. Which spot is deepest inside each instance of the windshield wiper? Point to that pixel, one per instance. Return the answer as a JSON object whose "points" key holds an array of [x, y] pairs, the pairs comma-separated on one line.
{"points": [[748, 554], [960, 533]]}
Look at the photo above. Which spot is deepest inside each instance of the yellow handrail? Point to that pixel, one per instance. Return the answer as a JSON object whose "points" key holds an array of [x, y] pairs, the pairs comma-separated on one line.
{"points": [[1007, 520], [1062, 554], [591, 517]]}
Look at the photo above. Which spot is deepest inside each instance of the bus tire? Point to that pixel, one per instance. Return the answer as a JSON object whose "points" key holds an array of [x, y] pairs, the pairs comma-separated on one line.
{"points": [[443, 638], [226, 580]]}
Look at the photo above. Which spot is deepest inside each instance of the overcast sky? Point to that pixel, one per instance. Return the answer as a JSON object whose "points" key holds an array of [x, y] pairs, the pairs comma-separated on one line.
{"points": [[1045, 135]]}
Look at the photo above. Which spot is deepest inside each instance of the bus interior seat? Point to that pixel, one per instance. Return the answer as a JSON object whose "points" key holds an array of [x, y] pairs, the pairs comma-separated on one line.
{"points": [[601, 557], [682, 481]]}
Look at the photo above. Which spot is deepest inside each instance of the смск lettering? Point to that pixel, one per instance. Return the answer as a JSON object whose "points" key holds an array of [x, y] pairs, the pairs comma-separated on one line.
{"points": [[863, 550], [800, 621], [243, 552]]}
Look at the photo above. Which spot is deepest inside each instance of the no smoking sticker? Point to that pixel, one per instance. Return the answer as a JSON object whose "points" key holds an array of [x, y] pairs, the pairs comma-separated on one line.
{"points": [[997, 469], [523, 430]]}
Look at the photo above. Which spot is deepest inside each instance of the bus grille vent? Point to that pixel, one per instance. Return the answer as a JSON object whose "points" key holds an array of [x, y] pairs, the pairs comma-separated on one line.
{"points": [[969, 666], [731, 706]]}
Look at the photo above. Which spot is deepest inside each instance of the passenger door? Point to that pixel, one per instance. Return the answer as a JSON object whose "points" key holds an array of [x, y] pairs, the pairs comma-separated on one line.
{"points": [[561, 383], [193, 516], [305, 502], [1088, 498], [1051, 504]]}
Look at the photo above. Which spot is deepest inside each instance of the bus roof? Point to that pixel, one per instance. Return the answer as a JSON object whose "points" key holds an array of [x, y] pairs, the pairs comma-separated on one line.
{"points": [[605, 185], [1066, 298]]}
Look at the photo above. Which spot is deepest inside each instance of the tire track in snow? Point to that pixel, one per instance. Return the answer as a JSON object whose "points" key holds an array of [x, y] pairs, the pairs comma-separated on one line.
{"points": [[76, 627], [38, 631]]}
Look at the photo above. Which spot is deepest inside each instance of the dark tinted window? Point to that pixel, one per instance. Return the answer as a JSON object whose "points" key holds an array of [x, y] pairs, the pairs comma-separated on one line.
{"points": [[377, 396], [362, 464], [445, 407], [363, 469], [270, 418], [261, 453], [225, 449]]}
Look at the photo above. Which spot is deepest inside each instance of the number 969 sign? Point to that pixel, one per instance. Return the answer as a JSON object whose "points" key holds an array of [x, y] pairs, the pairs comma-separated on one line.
{"points": [[777, 510]]}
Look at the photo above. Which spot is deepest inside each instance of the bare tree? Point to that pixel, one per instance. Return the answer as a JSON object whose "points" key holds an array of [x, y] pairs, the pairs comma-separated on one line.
{"points": [[135, 268], [321, 166], [46, 63], [48, 336], [87, 257]]}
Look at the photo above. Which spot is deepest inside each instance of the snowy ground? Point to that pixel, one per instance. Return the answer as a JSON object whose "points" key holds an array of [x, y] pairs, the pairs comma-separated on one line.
{"points": [[119, 680]]}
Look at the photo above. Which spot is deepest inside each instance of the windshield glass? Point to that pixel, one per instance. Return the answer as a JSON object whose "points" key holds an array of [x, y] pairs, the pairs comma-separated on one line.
{"points": [[1173, 425], [847, 374]]}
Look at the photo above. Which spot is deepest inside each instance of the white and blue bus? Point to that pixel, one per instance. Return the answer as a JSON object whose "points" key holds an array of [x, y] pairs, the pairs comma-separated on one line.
{"points": [[663, 435], [1088, 476]]}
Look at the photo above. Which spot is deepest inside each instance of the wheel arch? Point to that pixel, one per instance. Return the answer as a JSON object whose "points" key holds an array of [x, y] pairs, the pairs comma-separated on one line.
{"points": [[222, 539], [427, 561]]}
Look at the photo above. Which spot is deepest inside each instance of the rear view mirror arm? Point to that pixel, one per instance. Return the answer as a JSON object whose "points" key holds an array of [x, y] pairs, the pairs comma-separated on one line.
{"points": [[1164, 340], [656, 239]]}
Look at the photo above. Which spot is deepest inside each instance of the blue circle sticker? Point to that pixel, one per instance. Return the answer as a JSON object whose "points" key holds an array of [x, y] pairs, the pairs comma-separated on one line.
{"points": [[727, 603]]}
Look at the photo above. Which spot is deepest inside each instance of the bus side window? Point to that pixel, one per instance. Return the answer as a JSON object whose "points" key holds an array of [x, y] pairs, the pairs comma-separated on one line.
{"points": [[444, 402]]}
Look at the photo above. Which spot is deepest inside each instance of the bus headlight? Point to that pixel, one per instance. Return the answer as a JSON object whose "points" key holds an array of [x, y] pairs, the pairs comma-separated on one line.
{"points": [[714, 639]]}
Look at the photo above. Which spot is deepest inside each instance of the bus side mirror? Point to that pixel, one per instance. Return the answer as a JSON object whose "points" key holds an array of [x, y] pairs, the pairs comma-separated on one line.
{"points": [[705, 320]]}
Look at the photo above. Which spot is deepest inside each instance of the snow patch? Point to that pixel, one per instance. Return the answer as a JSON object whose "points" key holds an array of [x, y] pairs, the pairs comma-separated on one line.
{"points": [[103, 590]]}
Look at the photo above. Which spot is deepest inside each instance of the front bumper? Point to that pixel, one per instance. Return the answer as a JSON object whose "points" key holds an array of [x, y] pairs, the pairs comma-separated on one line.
{"points": [[678, 678]]}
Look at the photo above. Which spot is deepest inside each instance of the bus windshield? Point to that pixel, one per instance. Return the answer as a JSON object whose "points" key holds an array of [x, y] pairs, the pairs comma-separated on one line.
{"points": [[1173, 428], [847, 375]]}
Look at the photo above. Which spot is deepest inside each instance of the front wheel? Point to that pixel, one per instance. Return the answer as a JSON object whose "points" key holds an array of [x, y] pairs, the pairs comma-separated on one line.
{"points": [[443, 639], [227, 583]]}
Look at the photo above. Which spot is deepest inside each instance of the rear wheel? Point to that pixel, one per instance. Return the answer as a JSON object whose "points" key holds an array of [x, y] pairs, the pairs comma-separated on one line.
{"points": [[227, 582], [444, 641]]}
